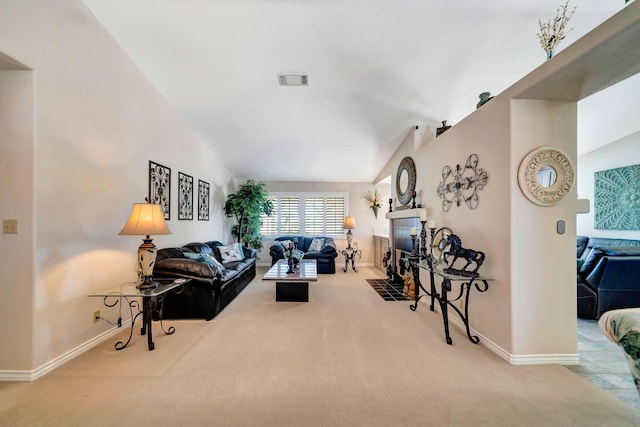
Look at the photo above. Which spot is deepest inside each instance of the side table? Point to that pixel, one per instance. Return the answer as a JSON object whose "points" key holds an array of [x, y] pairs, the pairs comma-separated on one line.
{"points": [[151, 305], [349, 256]]}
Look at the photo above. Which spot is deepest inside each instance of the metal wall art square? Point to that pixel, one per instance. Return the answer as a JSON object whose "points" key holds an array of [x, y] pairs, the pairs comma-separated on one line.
{"points": [[617, 199], [160, 187], [185, 196], [203, 200]]}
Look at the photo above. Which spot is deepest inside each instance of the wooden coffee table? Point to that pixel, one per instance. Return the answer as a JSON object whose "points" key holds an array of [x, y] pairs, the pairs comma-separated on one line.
{"points": [[295, 286]]}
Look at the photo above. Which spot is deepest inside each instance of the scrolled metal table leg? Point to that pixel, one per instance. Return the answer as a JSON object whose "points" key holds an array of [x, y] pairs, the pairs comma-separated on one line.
{"points": [[121, 345], [446, 286], [158, 311], [148, 316], [417, 285], [473, 338]]}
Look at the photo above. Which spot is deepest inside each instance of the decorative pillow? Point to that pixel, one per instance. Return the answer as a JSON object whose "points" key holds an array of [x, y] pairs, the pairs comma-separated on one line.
{"points": [[231, 252], [210, 259], [316, 245]]}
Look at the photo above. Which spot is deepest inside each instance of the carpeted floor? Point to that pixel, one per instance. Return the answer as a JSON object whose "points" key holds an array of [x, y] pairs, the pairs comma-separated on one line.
{"points": [[345, 358]]}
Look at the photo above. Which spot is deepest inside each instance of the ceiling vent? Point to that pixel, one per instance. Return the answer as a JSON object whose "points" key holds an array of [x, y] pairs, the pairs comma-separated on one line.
{"points": [[293, 79]]}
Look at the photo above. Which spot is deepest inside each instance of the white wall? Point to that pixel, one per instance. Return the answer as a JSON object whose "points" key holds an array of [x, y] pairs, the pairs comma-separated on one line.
{"points": [[543, 262], [16, 202], [528, 311], [98, 122], [623, 152], [487, 228], [358, 208]]}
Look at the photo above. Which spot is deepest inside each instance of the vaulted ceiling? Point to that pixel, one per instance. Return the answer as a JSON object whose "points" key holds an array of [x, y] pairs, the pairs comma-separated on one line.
{"points": [[377, 68]]}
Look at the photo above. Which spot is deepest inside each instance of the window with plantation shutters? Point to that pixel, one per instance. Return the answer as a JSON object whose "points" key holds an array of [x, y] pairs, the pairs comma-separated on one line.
{"points": [[335, 213], [305, 213], [289, 215], [314, 215]]}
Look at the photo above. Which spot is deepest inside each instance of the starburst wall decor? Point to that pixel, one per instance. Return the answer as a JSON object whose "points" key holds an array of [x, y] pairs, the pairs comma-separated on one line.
{"points": [[617, 199]]}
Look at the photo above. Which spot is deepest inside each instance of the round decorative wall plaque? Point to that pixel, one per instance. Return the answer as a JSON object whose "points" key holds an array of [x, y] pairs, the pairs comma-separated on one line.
{"points": [[545, 176], [405, 180]]}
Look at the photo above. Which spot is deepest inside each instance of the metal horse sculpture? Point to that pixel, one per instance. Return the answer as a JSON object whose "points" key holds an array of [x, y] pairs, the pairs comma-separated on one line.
{"points": [[455, 248]]}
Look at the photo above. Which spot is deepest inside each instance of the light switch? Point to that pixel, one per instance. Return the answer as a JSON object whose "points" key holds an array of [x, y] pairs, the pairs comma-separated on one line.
{"points": [[9, 226], [560, 227]]}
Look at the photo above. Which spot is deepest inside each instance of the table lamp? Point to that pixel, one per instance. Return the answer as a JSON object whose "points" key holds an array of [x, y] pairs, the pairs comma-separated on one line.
{"points": [[349, 224], [146, 219]]}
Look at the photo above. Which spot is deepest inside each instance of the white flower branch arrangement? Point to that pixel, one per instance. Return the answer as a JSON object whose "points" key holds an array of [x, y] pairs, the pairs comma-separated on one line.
{"points": [[374, 201], [552, 31]]}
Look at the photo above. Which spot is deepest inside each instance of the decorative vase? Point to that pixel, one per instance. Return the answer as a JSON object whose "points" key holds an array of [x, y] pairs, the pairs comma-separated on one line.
{"points": [[549, 54], [484, 98], [375, 210], [443, 129]]}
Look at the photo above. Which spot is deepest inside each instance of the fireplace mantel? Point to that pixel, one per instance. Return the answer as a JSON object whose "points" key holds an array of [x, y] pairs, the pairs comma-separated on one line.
{"points": [[406, 213]]}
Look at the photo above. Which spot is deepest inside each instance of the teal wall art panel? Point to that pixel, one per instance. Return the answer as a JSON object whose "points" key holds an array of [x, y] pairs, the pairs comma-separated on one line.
{"points": [[617, 199]]}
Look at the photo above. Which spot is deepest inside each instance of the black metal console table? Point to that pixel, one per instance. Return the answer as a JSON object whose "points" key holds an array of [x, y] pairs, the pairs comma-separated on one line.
{"points": [[442, 296]]}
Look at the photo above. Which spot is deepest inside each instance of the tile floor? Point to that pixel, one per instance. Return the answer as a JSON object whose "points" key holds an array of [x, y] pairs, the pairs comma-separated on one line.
{"points": [[603, 363], [388, 291]]}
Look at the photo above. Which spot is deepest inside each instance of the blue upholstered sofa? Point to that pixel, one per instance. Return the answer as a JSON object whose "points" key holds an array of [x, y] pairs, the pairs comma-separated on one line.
{"points": [[325, 257], [608, 275]]}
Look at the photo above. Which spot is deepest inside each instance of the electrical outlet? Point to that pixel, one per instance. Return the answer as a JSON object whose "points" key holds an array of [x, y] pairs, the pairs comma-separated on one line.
{"points": [[10, 226], [96, 316]]}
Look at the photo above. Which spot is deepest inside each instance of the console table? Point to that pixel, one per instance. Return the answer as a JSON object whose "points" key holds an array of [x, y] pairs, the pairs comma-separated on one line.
{"points": [[151, 305], [465, 284]]}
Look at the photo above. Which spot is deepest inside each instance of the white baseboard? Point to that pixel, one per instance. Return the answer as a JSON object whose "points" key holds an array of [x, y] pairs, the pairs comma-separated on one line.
{"points": [[32, 375], [516, 360]]}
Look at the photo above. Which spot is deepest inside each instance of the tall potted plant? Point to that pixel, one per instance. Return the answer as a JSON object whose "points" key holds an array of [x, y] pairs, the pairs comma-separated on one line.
{"points": [[246, 205]]}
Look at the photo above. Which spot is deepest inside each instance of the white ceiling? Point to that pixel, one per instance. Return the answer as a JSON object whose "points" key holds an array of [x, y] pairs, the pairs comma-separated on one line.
{"points": [[376, 69]]}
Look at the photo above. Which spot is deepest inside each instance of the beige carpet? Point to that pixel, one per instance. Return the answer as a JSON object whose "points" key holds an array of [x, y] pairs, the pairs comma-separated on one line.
{"points": [[346, 358]]}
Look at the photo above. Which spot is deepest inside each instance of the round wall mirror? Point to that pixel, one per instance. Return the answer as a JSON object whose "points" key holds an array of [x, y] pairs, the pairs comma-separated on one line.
{"points": [[545, 176], [405, 180]]}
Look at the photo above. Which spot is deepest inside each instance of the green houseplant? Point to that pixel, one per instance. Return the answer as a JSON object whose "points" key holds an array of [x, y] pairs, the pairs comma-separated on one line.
{"points": [[246, 205]]}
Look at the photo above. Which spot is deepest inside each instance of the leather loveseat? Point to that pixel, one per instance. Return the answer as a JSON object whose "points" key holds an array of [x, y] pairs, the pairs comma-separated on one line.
{"points": [[608, 275], [325, 253], [211, 287]]}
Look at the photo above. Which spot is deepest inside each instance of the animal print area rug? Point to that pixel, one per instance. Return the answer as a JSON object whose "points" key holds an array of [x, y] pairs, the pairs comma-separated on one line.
{"points": [[388, 291]]}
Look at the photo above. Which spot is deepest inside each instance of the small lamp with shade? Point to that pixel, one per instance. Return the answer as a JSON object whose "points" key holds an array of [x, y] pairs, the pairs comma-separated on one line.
{"points": [[146, 219], [349, 224]]}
